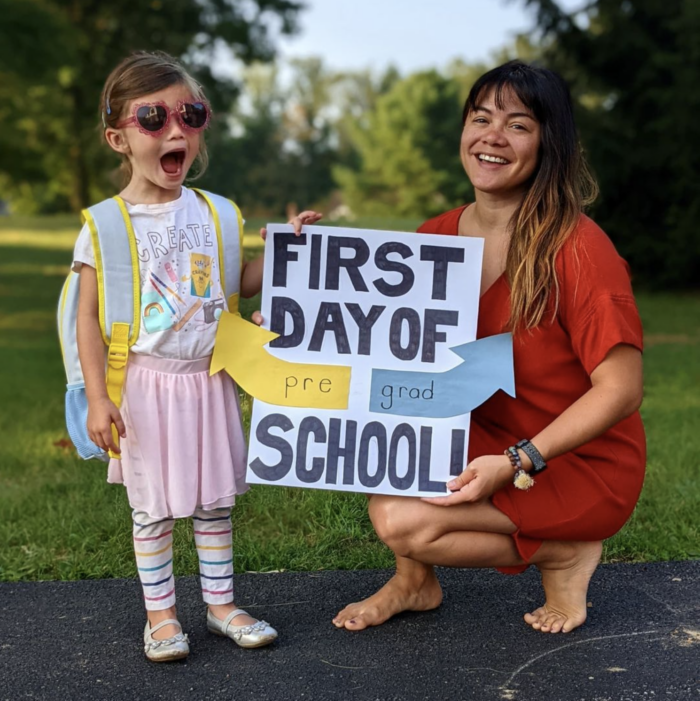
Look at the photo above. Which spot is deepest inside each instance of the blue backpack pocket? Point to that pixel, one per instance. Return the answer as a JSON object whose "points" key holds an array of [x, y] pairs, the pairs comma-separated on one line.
{"points": [[76, 422]]}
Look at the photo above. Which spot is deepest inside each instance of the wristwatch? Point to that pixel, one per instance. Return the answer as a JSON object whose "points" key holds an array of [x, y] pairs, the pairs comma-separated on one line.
{"points": [[538, 462]]}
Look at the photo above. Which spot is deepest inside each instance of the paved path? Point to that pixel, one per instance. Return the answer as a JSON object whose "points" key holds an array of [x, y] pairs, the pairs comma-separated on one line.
{"points": [[80, 640]]}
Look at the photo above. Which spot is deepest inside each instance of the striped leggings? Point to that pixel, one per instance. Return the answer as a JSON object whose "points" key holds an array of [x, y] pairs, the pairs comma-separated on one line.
{"points": [[153, 546]]}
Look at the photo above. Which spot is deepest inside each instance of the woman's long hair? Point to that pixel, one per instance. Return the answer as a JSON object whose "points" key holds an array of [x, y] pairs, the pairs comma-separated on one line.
{"points": [[139, 74], [559, 189]]}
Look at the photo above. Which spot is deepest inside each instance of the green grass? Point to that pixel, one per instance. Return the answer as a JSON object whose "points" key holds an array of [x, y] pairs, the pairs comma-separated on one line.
{"points": [[60, 520]]}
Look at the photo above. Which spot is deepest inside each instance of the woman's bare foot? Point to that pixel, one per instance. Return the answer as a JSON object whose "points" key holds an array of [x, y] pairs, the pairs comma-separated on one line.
{"points": [[565, 585], [419, 591]]}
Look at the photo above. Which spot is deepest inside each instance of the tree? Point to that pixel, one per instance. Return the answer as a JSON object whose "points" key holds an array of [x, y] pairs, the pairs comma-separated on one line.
{"points": [[281, 145], [355, 98], [285, 139], [309, 125], [408, 150], [56, 55], [633, 69], [248, 153]]}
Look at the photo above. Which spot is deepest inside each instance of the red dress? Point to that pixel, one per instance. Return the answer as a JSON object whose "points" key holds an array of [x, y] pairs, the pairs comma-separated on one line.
{"points": [[588, 493]]}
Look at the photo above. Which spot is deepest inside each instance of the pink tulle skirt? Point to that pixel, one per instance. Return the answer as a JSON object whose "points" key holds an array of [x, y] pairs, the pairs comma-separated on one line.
{"points": [[184, 444]]}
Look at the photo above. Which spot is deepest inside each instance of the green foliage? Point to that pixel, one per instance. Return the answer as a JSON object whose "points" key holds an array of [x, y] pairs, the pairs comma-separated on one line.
{"points": [[389, 143], [285, 140], [308, 127], [409, 151], [244, 164], [55, 56], [634, 67], [279, 151]]}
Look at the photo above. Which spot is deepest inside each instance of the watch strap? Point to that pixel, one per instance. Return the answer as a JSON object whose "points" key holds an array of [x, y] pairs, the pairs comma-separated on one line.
{"points": [[538, 462]]}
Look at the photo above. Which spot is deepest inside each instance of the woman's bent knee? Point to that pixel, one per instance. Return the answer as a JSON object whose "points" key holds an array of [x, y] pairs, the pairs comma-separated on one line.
{"points": [[390, 517], [395, 523]]}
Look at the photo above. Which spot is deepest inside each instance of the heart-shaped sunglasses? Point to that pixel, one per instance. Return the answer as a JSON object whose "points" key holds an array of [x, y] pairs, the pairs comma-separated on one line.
{"points": [[152, 118]]}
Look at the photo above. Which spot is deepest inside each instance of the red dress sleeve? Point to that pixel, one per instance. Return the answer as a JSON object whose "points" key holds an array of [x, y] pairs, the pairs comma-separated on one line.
{"points": [[597, 305], [446, 223]]}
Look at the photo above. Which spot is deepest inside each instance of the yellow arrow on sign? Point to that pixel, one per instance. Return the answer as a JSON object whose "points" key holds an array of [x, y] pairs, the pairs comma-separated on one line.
{"points": [[239, 350]]}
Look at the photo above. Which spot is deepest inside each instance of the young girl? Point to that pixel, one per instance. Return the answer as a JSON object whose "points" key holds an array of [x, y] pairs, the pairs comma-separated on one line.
{"points": [[182, 451]]}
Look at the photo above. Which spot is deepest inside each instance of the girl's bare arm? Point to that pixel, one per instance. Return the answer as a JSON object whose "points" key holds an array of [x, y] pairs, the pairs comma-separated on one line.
{"points": [[102, 412]]}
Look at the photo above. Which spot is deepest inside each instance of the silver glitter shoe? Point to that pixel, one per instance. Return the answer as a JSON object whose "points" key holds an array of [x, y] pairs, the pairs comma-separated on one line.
{"points": [[174, 648], [256, 634]]}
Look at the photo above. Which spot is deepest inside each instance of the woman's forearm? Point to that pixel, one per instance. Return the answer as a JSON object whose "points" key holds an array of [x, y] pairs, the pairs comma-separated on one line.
{"points": [[616, 393]]}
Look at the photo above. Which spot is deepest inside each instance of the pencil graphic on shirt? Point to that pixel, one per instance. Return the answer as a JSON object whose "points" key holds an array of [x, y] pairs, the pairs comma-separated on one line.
{"points": [[164, 298], [172, 292]]}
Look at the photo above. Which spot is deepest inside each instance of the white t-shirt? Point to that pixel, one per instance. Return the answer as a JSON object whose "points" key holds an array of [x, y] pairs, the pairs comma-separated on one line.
{"points": [[181, 291]]}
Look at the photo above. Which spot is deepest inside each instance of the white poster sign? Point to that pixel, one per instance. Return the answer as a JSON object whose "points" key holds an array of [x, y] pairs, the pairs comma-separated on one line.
{"points": [[375, 369]]}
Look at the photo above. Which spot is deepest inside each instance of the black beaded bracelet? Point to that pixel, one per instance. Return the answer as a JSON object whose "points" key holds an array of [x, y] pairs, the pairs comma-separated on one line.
{"points": [[538, 462], [514, 458], [521, 479]]}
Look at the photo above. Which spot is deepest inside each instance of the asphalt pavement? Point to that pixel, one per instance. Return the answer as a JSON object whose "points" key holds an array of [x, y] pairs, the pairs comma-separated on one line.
{"points": [[81, 640]]}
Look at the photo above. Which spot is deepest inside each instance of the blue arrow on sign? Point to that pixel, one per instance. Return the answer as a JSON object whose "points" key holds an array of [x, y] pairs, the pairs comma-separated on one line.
{"points": [[487, 367]]}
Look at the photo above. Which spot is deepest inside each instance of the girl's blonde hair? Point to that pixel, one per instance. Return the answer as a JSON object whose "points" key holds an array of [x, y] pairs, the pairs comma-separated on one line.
{"points": [[139, 74], [560, 188]]}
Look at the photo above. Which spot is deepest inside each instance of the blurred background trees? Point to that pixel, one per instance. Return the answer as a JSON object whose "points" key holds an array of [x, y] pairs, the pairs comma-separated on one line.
{"points": [[296, 133], [633, 66], [56, 55]]}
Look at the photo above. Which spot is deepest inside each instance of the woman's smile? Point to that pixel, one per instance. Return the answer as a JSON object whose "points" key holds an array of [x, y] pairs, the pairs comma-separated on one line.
{"points": [[486, 158]]}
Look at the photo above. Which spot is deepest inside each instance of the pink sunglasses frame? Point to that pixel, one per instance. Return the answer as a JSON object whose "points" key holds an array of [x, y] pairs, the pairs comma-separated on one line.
{"points": [[169, 112]]}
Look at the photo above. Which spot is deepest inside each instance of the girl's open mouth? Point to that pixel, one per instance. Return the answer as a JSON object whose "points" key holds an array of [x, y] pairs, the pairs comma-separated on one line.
{"points": [[172, 162]]}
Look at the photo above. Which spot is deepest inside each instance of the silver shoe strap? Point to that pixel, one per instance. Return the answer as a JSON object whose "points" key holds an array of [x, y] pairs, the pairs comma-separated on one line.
{"points": [[231, 616], [162, 624]]}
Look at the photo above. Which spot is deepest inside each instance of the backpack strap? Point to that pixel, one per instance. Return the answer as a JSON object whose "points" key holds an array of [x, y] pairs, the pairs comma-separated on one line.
{"points": [[119, 296], [67, 325], [228, 223]]}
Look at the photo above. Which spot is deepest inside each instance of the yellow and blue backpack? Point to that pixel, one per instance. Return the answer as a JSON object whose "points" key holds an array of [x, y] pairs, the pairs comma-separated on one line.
{"points": [[119, 292]]}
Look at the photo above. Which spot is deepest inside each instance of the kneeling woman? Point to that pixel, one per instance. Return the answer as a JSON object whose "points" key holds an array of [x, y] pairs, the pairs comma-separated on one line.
{"points": [[553, 278]]}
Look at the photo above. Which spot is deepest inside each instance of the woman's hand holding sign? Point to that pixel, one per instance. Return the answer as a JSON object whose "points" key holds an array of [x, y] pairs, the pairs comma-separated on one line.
{"points": [[483, 477]]}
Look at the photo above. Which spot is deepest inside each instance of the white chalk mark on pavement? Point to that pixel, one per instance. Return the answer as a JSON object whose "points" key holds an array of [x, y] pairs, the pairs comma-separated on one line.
{"points": [[508, 693]]}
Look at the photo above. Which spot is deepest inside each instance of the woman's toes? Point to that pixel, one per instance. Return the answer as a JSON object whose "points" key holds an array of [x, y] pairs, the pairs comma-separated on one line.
{"points": [[572, 622], [546, 621], [534, 619], [341, 619], [351, 618], [355, 624], [553, 623], [557, 625], [549, 620]]}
